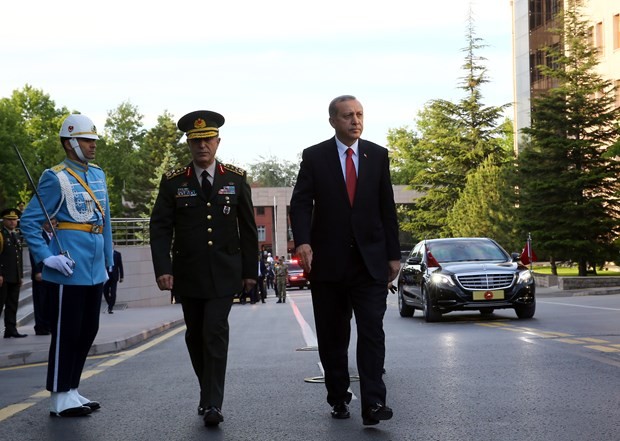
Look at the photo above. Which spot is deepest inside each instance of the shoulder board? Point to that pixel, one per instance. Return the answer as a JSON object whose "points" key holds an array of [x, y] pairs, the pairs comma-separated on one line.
{"points": [[90, 164], [234, 169], [58, 167], [176, 172]]}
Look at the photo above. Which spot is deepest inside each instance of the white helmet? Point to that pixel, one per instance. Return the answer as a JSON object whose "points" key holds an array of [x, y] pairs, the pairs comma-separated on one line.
{"points": [[78, 126]]}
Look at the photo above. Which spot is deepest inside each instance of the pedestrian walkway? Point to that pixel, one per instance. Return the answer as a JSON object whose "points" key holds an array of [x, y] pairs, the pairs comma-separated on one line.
{"points": [[130, 326]]}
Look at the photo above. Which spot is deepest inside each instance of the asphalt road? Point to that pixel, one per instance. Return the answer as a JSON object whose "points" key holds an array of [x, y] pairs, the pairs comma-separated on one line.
{"points": [[555, 377]]}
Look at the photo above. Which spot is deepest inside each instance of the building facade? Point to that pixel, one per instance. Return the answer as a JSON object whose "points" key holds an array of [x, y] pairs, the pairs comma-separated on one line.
{"points": [[533, 21]]}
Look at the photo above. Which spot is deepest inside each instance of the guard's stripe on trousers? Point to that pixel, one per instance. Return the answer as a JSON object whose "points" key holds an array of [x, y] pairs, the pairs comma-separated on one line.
{"points": [[57, 348]]}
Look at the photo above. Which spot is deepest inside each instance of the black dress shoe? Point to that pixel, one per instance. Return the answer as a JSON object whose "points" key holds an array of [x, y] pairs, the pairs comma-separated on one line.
{"points": [[373, 414], [93, 405], [340, 411], [14, 335], [201, 410], [213, 416], [72, 412], [42, 332]]}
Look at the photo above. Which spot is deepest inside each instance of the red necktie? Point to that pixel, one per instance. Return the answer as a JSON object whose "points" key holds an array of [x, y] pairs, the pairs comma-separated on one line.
{"points": [[351, 176]]}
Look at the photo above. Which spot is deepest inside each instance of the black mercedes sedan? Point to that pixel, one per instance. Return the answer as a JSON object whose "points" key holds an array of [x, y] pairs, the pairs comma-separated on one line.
{"points": [[463, 274]]}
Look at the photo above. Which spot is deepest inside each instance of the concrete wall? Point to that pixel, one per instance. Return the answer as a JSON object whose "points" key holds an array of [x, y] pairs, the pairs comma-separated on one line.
{"points": [[139, 288]]}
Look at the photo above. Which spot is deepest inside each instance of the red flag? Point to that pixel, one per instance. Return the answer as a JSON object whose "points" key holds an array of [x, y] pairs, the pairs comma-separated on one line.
{"points": [[528, 255]]}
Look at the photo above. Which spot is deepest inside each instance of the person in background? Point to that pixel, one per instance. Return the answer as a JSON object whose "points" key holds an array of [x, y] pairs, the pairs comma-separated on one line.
{"points": [[206, 207], [40, 295], [11, 271], [342, 210], [115, 276], [75, 193]]}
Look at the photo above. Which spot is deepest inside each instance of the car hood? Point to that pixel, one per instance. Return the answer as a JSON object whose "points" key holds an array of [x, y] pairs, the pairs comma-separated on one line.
{"points": [[479, 267]]}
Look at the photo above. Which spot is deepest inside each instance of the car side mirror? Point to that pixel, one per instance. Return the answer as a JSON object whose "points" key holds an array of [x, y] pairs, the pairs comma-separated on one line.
{"points": [[515, 257]]}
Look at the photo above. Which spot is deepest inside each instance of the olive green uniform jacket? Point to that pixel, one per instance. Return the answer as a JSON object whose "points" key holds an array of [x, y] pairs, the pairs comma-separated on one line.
{"points": [[213, 239]]}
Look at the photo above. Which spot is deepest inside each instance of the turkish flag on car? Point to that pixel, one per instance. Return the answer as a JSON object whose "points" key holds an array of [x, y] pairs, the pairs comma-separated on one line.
{"points": [[528, 255]]}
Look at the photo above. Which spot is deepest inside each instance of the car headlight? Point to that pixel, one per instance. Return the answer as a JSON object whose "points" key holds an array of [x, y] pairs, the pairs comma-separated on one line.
{"points": [[441, 279], [525, 277]]}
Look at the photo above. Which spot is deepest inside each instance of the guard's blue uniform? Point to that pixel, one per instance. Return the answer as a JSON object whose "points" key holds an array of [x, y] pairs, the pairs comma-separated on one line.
{"points": [[84, 231], [67, 201]]}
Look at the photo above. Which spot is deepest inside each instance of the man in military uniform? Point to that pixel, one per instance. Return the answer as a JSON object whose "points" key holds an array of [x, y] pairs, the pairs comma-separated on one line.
{"points": [[281, 270], [11, 271], [206, 207], [75, 194]]}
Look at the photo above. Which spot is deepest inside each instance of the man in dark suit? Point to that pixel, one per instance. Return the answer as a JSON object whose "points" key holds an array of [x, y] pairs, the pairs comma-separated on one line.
{"points": [[207, 208], [345, 229], [114, 277]]}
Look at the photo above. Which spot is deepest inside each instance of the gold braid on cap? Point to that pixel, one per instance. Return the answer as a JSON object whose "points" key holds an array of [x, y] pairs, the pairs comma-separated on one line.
{"points": [[201, 130]]}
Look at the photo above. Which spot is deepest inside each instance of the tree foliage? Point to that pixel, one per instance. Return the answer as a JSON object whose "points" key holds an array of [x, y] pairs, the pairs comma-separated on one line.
{"points": [[273, 172], [454, 140], [568, 186]]}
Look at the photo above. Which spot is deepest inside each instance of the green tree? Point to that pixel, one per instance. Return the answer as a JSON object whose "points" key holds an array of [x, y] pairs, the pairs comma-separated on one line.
{"points": [[401, 143], [118, 156], [273, 172], [568, 187], [455, 139], [159, 152], [30, 120]]}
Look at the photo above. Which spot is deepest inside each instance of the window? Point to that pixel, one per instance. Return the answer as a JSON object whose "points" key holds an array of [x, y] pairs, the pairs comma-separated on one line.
{"points": [[616, 36], [600, 44], [262, 235], [260, 211]]}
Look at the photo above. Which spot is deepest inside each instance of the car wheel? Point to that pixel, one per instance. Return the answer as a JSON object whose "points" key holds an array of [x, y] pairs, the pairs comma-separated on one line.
{"points": [[404, 309], [430, 315], [486, 311], [525, 311]]}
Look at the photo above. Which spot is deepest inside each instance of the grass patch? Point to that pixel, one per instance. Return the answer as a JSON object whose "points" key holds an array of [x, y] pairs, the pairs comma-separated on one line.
{"points": [[573, 272]]}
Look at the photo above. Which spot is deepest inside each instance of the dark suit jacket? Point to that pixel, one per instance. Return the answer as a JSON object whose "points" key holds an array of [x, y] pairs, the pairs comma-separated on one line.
{"points": [[322, 216], [37, 268], [117, 270], [215, 240]]}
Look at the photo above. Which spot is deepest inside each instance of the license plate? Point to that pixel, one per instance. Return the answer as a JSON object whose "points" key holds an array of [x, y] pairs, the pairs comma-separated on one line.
{"points": [[489, 295]]}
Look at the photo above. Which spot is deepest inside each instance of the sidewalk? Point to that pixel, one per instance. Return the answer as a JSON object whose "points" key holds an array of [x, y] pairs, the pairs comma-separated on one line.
{"points": [[118, 331], [130, 326]]}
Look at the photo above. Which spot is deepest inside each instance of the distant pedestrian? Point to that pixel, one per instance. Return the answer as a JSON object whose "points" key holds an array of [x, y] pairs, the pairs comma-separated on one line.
{"points": [[281, 270], [11, 271], [115, 276], [75, 193]]}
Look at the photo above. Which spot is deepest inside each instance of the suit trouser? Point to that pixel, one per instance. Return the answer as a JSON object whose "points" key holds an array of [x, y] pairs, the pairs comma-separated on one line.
{"points": [[207, 343], [333, 304], [40, 301], [10, 300], [74, 319], [109, 293]]}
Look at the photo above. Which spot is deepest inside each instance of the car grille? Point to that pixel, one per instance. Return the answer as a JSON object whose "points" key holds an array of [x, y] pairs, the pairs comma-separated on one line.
{"points": [[486, 281]]}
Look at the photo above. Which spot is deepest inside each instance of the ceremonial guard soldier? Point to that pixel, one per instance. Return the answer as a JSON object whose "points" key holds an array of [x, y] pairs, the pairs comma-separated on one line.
{"points": [[11, 271], [206, 207], [74, 193]]}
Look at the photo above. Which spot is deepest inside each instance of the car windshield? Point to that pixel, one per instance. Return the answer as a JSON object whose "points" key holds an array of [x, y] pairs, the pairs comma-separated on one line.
{"points": [[466, 251]]}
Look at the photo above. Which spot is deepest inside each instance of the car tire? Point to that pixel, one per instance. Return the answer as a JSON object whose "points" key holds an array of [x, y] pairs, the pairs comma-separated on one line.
{"points": [[430, 315], [486, 311], [525, 311], [403, 309]]}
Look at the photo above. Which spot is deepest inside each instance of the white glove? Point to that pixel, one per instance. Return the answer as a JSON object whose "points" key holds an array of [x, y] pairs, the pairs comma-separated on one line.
{"points": [[59, 263]]}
